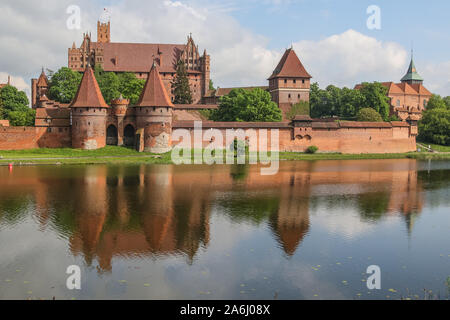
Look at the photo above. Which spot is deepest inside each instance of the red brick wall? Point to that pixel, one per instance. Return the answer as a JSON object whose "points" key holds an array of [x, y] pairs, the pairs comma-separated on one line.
{"points": [[17, 138], [343, 140]]}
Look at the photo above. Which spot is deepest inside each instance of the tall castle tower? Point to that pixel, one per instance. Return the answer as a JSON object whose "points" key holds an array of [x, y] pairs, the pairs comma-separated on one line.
{"points": [[103, 32], [289, 82], [154, 115], [89, 112]]}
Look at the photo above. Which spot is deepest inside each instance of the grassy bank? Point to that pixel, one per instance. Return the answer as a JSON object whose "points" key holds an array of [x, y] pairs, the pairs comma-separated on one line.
{"points": [[126, 155], [436, 147]]}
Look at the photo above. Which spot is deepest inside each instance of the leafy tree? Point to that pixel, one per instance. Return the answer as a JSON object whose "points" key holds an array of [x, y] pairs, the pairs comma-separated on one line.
{"points": [[350, 102], [436, 101], [109, 84], [22, 118], [64, 85], [14, 107], [375, 96], [211, 85], [447, 101], [12, 99], [319, 102], [368, 114], [247, 105], [180, 85], [345, 102], [393, 117], [130, 86], [435, 126]]}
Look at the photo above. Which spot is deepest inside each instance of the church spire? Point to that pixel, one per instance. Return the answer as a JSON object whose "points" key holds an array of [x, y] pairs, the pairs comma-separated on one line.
{"points": [[411, 76]]}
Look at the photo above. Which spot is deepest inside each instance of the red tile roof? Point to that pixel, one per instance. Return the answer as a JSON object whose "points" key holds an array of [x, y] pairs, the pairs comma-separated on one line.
{"points": [[138, 57], [290, 66], [302, 118], [89, 94], [403, 88], [231, 125], [42, 81], [154, 93], [361, 124]]}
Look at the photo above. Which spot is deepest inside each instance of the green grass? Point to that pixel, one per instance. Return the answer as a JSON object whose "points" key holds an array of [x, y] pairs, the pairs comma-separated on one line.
{"points": [[438, 147], [126, 155], [69, 152]]}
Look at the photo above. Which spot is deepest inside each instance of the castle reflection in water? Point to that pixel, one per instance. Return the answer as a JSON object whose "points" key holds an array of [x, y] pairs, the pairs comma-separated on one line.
{"points": [[110, 211]]}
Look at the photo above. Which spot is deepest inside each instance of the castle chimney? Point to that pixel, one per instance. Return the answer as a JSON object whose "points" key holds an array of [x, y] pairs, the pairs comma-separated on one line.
{"points": [[9, 80]]}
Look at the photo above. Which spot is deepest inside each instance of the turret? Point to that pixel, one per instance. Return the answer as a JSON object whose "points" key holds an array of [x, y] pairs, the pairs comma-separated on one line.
{"points": [[154, 115], [411, 76], [119, 109], [88, 114]]}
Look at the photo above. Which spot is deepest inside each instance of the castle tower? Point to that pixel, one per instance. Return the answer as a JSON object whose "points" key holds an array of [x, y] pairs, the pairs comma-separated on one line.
{"points": [[120, 107], [154, 115], [411, 76], [103, 32], [205, 69], [39, 88], [289, 82], [88, 114]]}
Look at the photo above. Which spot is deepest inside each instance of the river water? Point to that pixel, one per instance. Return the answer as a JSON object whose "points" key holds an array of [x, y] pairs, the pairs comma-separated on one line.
{"points": [[227, 232]]}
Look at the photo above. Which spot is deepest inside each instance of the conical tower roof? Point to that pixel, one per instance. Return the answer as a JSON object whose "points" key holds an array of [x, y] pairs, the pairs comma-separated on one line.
{"points": [[89, 94], [154, 93], [412, 74], [43, 80], [290, 67]]}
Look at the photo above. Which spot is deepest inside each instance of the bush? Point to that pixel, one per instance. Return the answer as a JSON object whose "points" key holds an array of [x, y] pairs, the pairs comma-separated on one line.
{"points": [[300, 108], [312, 149], [368, 114]]}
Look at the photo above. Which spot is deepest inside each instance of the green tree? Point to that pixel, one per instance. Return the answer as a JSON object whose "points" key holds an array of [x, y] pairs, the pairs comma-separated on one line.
{"points": [[375, 96], [435, 126], [320, 102], [436, 101], [14, 106], [180, 85], [22, 118], [211, 85], [247, 105], [368, 114], [334, 101], [64, 85], [130, 86], [447, 101], [109, 84]]}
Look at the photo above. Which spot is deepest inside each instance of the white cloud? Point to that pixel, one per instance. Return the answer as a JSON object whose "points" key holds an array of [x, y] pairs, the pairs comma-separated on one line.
{"points": [[33, 36], [351, 57], [437, 77]]}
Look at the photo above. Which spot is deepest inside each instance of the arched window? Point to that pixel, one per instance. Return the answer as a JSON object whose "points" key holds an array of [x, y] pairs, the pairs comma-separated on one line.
{"points": [[398, 102]]}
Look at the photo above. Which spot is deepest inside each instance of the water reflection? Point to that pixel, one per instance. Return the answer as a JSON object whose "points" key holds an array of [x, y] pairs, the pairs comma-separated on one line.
{"points": [[157, 211]]}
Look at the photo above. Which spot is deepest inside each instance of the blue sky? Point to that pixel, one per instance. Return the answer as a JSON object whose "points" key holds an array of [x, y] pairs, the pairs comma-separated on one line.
{"points": [[425, 23], [244, 38]]}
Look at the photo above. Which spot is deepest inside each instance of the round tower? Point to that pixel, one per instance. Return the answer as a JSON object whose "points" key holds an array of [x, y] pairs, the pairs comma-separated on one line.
{"points": [[154, 115], [120, 107], [89, 113]]}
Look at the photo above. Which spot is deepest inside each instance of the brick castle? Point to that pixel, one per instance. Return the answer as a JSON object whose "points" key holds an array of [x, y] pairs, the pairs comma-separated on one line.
{"points": [[90, 122]]}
